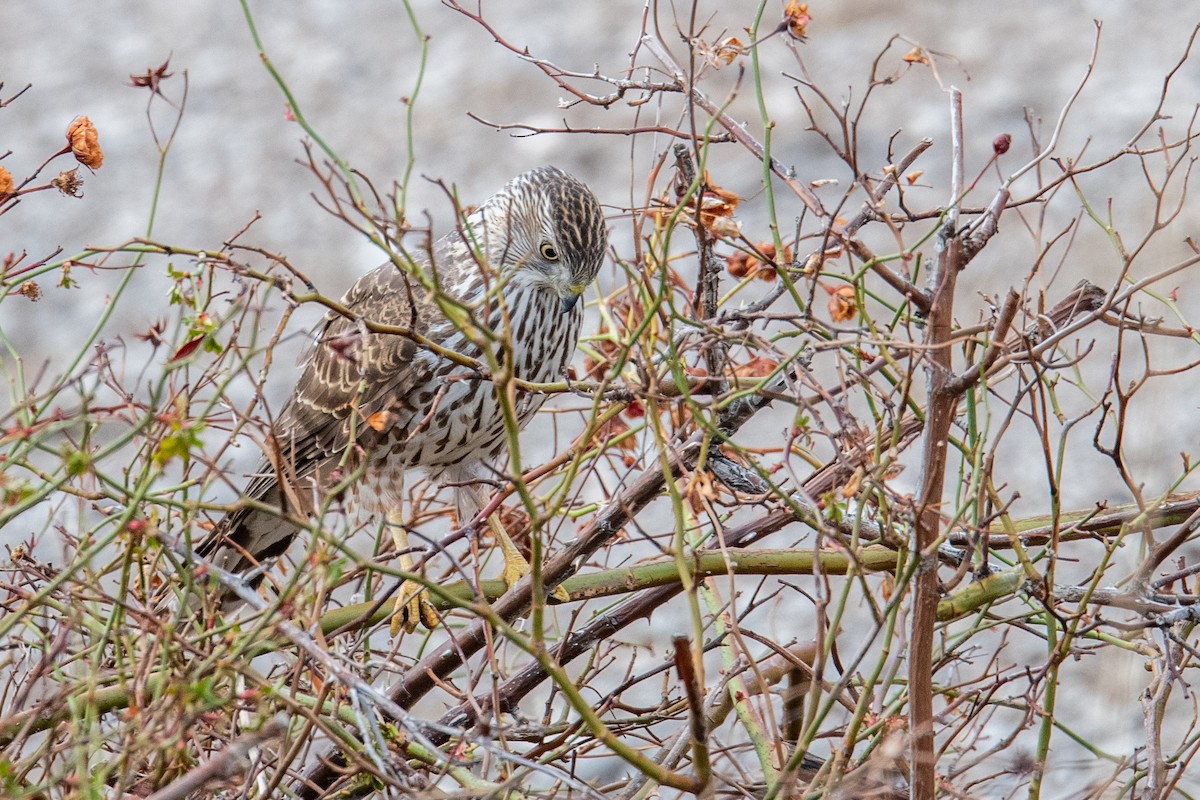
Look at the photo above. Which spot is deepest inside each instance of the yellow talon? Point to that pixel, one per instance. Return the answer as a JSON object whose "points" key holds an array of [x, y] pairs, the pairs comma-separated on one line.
{"points": [[412, 606], [515, 565]]}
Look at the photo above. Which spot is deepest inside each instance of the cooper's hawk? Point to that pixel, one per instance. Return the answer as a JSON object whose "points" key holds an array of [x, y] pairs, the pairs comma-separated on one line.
{"points": [[512, 274]]}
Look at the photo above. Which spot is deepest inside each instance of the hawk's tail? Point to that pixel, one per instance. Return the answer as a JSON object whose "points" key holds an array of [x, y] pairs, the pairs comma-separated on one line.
{"points": [[245, 541]]}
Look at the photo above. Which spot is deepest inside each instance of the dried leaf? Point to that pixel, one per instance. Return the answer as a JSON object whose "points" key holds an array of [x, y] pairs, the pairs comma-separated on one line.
{"points": [[611, 430], [724, 195], [381, 419], [887, 587], [854, 484], [188, 348], [699, 489], [725, 226]]}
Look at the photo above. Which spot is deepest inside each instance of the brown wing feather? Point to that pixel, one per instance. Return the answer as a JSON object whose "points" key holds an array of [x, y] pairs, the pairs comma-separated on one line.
{"points": [[349, 376]]}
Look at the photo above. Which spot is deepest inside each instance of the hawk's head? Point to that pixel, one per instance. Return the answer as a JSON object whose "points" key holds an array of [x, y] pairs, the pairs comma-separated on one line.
{"points": [[549, 224]]}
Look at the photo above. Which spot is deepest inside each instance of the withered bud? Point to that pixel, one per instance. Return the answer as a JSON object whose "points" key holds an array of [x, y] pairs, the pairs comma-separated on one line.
{"points": [[85, 143], [68, 182], [1001, 144], [31, 290], [6, 182], [153, 78]]}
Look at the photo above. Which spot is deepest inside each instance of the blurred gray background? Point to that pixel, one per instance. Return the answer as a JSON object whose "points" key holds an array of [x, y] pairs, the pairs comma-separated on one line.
{"points": [[349, 65]]}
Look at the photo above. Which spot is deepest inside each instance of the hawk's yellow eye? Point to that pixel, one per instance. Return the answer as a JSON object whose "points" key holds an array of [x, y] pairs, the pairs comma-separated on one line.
{"points": [[548, 252]]}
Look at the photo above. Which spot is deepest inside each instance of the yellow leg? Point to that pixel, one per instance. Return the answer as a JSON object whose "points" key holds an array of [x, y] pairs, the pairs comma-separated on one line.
{"points": [[515, 565], [412, 605]]}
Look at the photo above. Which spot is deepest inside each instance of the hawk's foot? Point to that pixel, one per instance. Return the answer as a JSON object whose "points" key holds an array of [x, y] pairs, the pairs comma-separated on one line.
{"points": [[516, 566], [412, 608]]}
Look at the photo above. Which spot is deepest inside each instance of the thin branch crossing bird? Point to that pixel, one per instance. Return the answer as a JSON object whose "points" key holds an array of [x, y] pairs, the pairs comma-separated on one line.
{"points": [[504, 289]]}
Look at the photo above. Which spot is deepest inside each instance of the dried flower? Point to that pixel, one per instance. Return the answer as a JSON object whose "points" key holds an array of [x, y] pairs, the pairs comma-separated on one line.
{"points": [[1001, 144], [722, 53], [738, 264], [716, 213], [842, 304], [85, 143], [757, 367], [68, 182], [154, 334], [6, 182], [796, 18], [153, 78], [31, 290], [769, 270], [916, 56]]}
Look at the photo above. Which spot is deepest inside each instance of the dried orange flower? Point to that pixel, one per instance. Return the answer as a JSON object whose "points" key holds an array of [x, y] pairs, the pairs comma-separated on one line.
{"points": [[725, 52], [796, 17], [713, 53], [738, 264], [914, 176], [85, 143], [757, 367], [68, 182], [916, 56], [716, 213], [842, 305], [6, 182]]}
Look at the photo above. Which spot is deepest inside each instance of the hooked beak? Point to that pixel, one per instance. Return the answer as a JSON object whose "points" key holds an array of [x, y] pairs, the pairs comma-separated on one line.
{"points": [[569, 302]]}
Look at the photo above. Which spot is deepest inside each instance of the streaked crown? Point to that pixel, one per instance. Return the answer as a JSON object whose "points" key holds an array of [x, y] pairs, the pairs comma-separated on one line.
{"points": [[551, 222]]}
